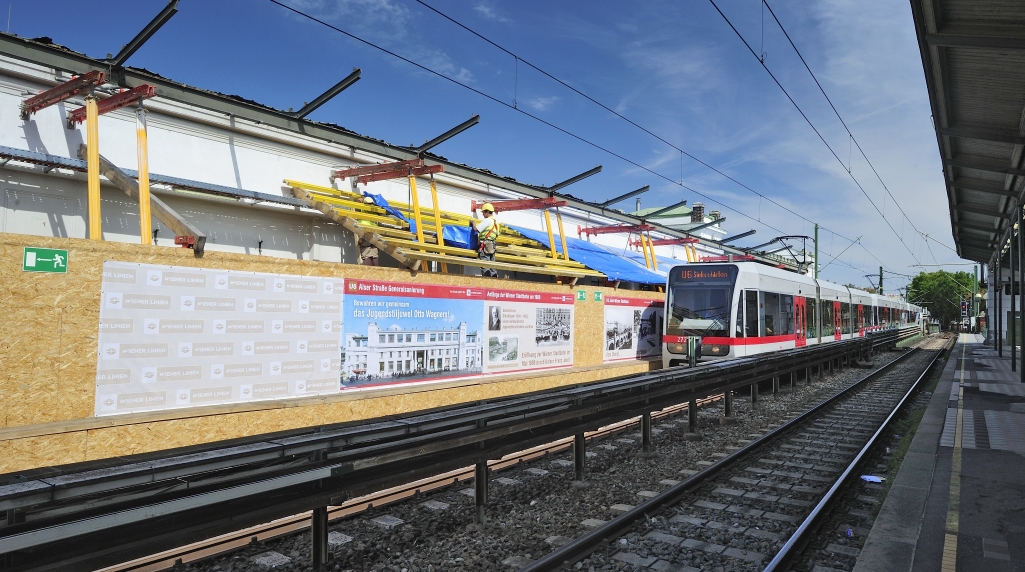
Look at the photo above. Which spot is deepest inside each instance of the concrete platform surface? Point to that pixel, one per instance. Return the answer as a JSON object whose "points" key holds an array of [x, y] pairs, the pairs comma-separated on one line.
{"points": [[958, 501]]}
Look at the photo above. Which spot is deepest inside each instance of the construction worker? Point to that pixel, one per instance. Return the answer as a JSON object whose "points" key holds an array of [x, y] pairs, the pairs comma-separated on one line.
{"points": [[367, 250], [488, 232]]}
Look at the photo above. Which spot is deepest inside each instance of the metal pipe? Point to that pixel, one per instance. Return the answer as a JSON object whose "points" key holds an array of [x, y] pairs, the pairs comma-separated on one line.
{"points": [[480, 491], [551, 236], [579, 456], [692, 415], [754, 393], [439, 230], [318, 533], [654, 261], [644, 249], [142, 140], [92, 136], [416, 209], [727, 403], [646, 432]]}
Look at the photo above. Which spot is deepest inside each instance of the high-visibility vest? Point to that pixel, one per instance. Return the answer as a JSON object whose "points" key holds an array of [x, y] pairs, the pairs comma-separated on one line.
{"points": [[492, 232]]}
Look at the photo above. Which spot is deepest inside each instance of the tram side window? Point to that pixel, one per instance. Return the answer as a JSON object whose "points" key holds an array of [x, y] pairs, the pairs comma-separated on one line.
{"points": [[770, 315], [786, 315], [751, 313], [845, 316], [826, 326], [813, 317]]}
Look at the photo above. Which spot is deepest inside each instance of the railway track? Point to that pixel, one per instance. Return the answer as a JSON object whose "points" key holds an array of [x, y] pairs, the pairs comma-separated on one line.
{"points": [[754, 509]]}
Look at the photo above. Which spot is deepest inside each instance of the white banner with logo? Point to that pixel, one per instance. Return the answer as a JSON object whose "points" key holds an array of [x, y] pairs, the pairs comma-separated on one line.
{"points": [[633, 328], [180, 337]]}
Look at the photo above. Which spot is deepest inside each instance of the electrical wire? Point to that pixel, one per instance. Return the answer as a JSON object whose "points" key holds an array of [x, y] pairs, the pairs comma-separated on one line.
{"points": [[519, 59], [520, 110], [815, 129], [565, 131]]}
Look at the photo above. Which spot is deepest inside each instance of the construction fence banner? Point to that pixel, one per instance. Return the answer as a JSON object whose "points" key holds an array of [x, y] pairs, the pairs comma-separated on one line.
{"points": [[633, 328], [528, 330], [173, 337]]}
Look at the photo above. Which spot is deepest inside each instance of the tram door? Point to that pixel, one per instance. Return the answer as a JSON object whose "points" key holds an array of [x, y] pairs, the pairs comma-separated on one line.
{"points": [[861, 321], [837, 321], [801, 321]]}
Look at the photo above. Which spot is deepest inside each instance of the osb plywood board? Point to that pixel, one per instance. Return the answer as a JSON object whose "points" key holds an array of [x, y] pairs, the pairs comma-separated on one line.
{"points": [[91, 444], [48, 354]]}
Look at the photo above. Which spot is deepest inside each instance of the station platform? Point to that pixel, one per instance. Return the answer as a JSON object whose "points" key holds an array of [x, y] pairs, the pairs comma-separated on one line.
{"points": [[958, 501]]}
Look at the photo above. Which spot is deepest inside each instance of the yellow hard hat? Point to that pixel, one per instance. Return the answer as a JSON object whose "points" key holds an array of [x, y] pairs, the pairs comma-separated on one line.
{"points": [[487, 207]]}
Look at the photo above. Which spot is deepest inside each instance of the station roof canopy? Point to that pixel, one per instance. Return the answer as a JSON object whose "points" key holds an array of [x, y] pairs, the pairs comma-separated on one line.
{"points": [[973, 52]]}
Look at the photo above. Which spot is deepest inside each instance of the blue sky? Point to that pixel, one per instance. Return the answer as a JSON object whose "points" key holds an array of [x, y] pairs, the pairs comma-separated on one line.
{"points": [[673, 67]]}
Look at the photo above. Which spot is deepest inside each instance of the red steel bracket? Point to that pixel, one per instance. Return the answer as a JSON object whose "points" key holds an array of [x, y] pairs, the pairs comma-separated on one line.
{"points": [[64, 91], [185, 241], [379, 168], [628, 228], [520, 204], [666, 241], [116, 101], [400, 173], [736, 258]]}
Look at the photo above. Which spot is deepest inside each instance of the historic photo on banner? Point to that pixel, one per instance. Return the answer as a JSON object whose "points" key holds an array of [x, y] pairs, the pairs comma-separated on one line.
{"points": [[410, 333], [633, 328], [527, 330], [182, 337]]}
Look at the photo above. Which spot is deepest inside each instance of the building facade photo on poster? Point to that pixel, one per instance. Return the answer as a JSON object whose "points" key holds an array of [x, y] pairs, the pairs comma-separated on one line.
{"points": [[405, 333], [173, 337], [527, 330], [633, 328]]}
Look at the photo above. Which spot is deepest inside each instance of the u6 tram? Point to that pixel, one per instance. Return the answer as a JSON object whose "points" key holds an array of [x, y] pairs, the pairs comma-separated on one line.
{"points": [[745, 308]]}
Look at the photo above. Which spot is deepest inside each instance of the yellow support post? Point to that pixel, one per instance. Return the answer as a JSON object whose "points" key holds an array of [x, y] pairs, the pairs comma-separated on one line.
{"points": [[551, 237], [92, 139], [654, 259], [416, 210], [694, 251], [644, 249], [438, 228], [562, 235], [145, 219]]}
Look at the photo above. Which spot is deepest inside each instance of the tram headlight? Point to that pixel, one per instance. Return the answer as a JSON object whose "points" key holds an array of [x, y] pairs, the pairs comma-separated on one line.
{"points": [[715, 350], [677, 348]]}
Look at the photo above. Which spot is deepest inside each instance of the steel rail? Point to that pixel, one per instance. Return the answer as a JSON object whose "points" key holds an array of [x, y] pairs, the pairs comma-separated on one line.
{"points": [[799, 539], [289, 525], [584, 545]]}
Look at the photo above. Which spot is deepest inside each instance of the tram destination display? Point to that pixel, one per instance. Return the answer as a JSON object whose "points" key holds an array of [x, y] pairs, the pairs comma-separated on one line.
{"points": [[633, 328]]}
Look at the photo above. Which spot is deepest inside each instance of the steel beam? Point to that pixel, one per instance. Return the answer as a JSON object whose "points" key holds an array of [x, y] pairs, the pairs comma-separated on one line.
{"points": [[329, 94], [146, 33], [448, 135], [664, 210], [982, 186], [625, 196], [116, 101], [965, 163], [572, 180], [736, 237], [979, 209], [976, 41], [705, 225], [62, 92], [981, 134]]}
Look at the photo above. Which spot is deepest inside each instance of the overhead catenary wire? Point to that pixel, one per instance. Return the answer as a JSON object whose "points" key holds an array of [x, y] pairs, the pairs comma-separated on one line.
{"points": [[682, 152], [812, 125], [520, 110], [567, 132]]}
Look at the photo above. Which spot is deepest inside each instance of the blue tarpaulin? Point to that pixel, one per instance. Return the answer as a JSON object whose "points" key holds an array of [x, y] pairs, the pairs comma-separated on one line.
{"points": [[611, 264], [461, 236], [381, 202]]}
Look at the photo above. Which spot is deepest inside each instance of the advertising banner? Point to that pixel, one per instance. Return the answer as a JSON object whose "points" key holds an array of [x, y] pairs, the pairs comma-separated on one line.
{"points": [[528, 330], [180, 337], [633, 328], [405, 333]]}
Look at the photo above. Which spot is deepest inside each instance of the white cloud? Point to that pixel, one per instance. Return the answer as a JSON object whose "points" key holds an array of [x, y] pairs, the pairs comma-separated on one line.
{"points": [[541, 103], [489, 12]]}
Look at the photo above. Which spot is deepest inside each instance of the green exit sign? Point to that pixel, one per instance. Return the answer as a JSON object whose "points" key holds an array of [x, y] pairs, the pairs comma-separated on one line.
{"points": [[45, 260], [597, 295], [582, 295]]}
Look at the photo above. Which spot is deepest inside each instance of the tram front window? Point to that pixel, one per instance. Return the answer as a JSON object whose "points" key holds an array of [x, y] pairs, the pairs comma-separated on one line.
{"points": [[700, 300]]}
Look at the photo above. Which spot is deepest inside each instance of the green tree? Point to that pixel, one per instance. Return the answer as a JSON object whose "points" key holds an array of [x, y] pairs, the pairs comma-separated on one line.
{"points": [[941, 292]]}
